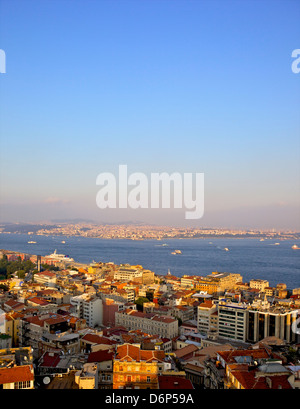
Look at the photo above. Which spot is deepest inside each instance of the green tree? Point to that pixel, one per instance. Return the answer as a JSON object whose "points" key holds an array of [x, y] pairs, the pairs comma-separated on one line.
{"points": [[21, 274], [139, 303]]}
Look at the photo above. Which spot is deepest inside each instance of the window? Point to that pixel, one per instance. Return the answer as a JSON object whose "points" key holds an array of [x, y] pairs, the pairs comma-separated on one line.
{"points": [[148, 379], [22, 385]]}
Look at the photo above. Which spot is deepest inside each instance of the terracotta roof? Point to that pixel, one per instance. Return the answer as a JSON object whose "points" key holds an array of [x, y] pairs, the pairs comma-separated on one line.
{"points": [[128, 352], [16, 374], [97, 339], [46, 273], [256, 354], [251, 380], [185, 351], [38, 301]]}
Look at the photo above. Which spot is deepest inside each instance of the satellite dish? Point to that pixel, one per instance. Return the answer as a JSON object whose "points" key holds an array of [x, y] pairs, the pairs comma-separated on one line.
{"points": [[46, 380]]}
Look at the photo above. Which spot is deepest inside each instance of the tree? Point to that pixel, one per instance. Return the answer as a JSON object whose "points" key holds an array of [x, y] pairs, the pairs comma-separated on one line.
{"points": [[21, 274], [139, 302]]}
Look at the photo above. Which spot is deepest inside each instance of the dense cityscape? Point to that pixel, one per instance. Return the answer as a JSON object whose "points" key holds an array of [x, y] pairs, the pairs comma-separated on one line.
{"points": [[149, 200], [66, 325], [139, 231]]}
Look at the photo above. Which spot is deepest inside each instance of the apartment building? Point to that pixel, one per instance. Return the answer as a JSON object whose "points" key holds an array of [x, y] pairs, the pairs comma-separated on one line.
{"points": [[265, 320], [217, 282], [187, 281], [259, 284], [46, 278], [120, 294], [17, 377], [135, 368], [153, 324], [206, 317], [110, 307], [127, 273], [89, 308], [232, 320], [46, 333]]}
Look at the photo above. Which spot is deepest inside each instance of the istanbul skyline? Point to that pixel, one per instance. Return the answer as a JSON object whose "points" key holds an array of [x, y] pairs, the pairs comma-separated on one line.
{"points": [[181, 86]]}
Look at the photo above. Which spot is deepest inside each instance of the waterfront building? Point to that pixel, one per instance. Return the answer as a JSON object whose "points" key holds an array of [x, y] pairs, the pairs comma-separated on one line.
{"points": [[259, 284], [127, 273], [217, 282]]}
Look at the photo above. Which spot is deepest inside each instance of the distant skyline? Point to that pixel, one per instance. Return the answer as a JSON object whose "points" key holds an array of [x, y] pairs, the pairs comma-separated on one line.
{"points": [[162, 86]]}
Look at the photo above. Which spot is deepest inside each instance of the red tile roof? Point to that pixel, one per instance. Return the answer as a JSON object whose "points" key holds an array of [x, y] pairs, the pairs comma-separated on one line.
{"points": [[128, 352], [251, 380], [16, 374], [50, 360]]}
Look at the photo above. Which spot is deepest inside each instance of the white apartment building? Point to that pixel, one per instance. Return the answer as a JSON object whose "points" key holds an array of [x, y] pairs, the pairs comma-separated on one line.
{"points": [[205, 321], [89, 308], [232, 320]]}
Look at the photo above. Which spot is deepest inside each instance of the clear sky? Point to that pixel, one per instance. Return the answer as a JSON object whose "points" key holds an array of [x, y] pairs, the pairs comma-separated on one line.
{"points": [[159, 85]]}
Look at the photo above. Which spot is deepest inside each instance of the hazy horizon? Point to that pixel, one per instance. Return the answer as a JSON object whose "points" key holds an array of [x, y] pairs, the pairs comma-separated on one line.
{"points": [[181, 86]]}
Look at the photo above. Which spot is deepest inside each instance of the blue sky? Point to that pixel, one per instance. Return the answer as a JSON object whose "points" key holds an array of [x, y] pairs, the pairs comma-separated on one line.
{"points": [[160, 85]]}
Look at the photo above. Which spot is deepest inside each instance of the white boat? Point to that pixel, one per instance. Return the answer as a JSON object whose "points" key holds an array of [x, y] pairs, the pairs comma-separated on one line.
{"points": [[63, 241], [31, 242], [226, 249], [59, 257], [295, 247], [176, 252]]}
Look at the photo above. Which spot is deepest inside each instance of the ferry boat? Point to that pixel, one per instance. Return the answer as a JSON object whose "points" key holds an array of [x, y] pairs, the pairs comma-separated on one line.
{"points": [[295, 247], [59, 257]]}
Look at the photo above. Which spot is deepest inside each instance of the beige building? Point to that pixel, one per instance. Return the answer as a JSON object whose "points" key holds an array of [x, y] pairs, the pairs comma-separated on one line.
{"points": [[259, 284], [87, 377], [165, 326], [218, 282], [46, 277]]}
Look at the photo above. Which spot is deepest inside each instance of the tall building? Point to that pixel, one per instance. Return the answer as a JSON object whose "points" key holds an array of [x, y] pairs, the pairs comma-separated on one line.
{"points": [[89, 308], [206, 312], [232, 320], [271, 321]]}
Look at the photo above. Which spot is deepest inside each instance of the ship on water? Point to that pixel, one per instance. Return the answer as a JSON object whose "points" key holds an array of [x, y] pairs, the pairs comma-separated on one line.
{"points": [[176, 252], [59, 257], [295, 247]]}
